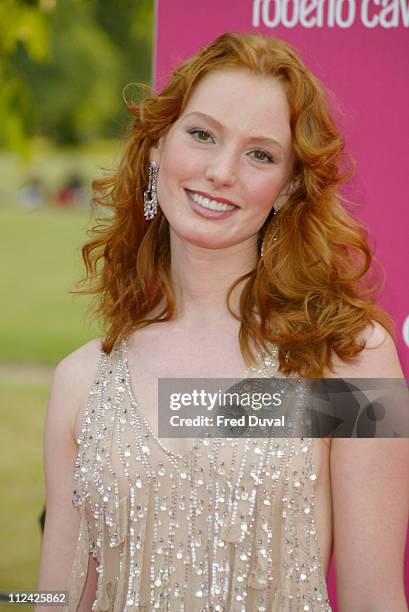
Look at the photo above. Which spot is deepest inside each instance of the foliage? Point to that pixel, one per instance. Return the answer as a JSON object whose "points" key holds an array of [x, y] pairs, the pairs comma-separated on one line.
{"points": [[21, 26], [64, 64]]}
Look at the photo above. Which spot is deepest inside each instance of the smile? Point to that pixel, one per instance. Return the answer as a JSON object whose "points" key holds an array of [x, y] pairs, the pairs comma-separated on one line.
{"points": [[210, 204]]}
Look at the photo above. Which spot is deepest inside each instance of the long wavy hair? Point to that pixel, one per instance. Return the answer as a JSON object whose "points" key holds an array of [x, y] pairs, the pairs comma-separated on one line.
{"points": [[309, 293]]}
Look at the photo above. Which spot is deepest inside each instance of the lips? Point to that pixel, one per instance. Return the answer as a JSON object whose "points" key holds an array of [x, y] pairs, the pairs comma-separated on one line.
{"points": [[209, 213], [210, 196]]}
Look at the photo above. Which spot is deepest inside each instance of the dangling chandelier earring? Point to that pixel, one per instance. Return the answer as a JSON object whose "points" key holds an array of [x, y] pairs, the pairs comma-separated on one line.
{"points": [[278, 204], [150, 196], [275, 237]]}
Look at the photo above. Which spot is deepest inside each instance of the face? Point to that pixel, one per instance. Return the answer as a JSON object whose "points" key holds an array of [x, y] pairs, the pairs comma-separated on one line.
{"points": [[226, 160]]}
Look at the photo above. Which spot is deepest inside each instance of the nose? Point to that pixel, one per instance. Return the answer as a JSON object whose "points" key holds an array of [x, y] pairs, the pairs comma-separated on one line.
{"points": [[222, 168]]}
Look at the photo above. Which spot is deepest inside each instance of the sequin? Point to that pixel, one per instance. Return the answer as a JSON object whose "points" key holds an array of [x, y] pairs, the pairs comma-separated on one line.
{"points": [[229, 527]]}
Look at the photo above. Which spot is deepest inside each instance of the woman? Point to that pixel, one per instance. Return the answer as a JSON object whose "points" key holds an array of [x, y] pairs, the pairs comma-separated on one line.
{"points": [[228, 247]]}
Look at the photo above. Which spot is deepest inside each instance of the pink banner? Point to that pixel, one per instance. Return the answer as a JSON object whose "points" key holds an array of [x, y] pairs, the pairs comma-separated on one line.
{"points": [[360, 51]]}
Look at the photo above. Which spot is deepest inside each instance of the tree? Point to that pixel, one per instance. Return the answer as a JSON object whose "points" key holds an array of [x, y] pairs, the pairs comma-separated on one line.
{"points": [[22, 25], [66, 77]]}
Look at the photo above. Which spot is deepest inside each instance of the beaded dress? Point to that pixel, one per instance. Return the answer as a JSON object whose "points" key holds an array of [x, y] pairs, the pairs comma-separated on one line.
{"points": [[234, 525]]}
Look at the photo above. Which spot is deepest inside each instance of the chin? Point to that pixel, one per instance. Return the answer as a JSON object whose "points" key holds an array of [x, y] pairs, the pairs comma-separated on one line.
{"points": [[201, 240], [205, 243]]}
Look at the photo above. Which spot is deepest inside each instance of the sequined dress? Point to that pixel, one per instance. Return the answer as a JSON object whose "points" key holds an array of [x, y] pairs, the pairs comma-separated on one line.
{"points": [[235, 525]]}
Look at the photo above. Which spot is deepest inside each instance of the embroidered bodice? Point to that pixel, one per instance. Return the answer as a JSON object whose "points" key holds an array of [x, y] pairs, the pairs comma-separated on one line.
{"points": [[233, 525]]}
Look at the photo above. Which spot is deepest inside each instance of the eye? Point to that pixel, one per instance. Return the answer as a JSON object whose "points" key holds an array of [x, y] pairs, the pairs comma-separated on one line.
{"points": [[201, 135], [262, 156]]}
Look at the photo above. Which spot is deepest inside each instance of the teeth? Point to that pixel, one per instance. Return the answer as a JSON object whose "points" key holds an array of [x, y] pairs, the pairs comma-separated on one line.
{"points": [[212, 204]]}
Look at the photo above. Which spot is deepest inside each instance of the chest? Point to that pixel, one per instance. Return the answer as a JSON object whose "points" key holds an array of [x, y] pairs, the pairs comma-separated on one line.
{"points": [[205, 358]]}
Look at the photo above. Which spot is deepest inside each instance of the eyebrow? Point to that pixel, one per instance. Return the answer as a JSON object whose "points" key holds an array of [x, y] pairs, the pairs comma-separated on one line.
{"points": [[262, 139]]}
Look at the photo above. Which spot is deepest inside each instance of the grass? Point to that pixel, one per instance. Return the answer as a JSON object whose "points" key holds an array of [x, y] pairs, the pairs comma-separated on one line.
{"points": [[40, 322], [22, 411], [40, 253], [39, 263]]}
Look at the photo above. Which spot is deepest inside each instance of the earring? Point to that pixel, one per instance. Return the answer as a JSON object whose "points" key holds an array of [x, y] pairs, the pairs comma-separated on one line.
{"points": [[150, 196], [275, 236], [284, 197]]}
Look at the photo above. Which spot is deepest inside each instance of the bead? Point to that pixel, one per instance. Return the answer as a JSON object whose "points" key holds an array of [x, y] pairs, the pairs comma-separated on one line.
{"points": [[196, 525]]}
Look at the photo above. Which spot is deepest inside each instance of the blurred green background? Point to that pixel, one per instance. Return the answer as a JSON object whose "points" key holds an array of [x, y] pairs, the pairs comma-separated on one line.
{"points": [[63, 68]]}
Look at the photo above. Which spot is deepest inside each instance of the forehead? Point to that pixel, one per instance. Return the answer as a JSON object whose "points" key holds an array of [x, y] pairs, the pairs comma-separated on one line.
{"points": [[242, 100]]}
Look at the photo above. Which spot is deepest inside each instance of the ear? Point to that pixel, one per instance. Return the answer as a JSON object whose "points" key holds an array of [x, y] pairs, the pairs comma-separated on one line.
{"points": [[290, 188], [155, 151]]}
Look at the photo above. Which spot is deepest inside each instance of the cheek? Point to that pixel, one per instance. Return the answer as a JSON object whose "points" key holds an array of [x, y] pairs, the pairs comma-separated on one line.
{"points": [[175, 163], [264, 192]]}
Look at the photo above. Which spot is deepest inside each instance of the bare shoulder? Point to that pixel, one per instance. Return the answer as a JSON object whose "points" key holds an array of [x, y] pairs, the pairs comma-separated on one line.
{"points": [[375, 336], [81, 362], [379, 358], [72, 381]]}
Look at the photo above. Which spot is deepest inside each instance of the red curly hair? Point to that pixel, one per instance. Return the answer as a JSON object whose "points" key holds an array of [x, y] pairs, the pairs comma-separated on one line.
{"points": [[309, 293]]}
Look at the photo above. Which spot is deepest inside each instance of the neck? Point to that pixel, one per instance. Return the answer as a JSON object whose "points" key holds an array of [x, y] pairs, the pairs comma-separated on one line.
{"points": [[202, 278]]}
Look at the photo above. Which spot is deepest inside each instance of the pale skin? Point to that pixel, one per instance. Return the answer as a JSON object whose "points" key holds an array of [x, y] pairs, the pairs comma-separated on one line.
{"points": [[228, 158]]}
